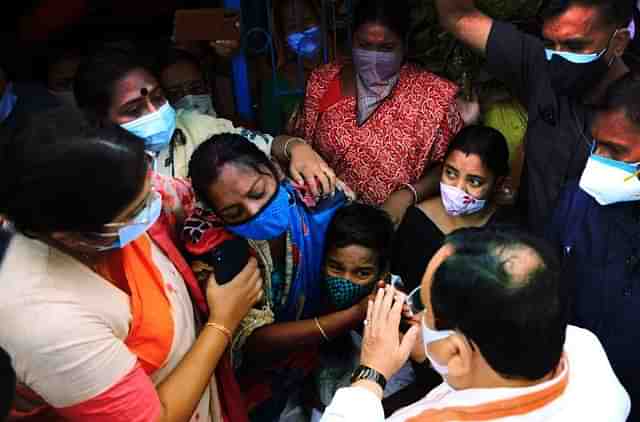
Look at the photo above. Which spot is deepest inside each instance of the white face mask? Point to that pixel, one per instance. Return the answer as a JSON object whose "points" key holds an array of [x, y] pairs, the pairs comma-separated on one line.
{"points": [[610, 181], [431, 336], [200, 103], [457, 202]]}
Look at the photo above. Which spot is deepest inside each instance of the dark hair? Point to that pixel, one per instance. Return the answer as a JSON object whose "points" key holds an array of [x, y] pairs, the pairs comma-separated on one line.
{"points": [[394, 15], [485, 142], [62, 174], [517, 322], [226, 148], [97, 76], [624, 94], [7, 384], [362, 225], [613, 12], [175, 55]]}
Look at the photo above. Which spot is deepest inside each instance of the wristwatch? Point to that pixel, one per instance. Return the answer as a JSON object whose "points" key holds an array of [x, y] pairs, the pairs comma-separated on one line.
{"points": [[365, 373]]}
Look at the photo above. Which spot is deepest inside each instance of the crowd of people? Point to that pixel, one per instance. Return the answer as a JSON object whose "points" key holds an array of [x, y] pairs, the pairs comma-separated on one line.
{"points": [[373, 260]]}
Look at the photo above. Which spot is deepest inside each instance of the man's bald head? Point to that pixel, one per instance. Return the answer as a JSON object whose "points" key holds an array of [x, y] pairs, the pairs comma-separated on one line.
{"points": [[501, 289]]}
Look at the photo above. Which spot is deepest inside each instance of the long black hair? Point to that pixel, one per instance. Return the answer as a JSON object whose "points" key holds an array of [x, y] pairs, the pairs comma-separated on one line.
{"points": [[98, 75]]}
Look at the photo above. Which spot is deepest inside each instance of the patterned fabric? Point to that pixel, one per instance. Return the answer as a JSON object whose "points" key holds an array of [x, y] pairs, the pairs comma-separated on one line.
{"points": [[407, 133]]}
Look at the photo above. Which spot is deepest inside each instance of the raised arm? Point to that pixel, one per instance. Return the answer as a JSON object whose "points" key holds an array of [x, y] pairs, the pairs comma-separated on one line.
{"points": [[465, 22]]}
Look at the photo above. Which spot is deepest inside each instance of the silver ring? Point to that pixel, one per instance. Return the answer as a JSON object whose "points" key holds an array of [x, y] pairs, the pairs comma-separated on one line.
{"points": [[365, 322]]}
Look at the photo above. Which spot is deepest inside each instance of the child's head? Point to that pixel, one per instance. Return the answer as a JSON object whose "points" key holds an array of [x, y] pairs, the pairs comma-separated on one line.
{"points": [[358, 251]]}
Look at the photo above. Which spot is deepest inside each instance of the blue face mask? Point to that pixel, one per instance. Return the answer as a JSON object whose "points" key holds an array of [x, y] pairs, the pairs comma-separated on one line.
{"points": [[155, 128], [305, 44], [270, 222], [345, 293], [7, 102], [138, 226]]}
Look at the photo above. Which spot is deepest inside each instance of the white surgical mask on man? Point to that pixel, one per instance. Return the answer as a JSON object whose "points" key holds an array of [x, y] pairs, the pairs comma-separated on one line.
{"points": [[430, 336], [610, 181]]}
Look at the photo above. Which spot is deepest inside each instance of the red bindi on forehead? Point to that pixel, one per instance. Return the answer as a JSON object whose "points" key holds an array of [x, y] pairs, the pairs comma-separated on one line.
{"points": [[576, 22], [374, 33]]}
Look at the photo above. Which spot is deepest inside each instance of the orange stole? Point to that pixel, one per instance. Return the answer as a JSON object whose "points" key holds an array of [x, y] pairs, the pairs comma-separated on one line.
{"points": [[132, 270], [515, 406]]}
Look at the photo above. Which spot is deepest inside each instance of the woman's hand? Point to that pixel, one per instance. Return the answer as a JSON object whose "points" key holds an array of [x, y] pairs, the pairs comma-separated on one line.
{"points": [[306, 165], [397, 205], [225, 48], [382, 349], [229, 303], [469, 110]]}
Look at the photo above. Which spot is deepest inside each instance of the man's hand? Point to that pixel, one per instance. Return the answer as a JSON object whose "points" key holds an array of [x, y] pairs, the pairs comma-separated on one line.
{"points": [[382, 349]]}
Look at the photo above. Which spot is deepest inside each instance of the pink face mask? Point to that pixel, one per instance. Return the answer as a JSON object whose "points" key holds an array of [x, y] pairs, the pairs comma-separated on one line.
{"points": [[457, 202]]}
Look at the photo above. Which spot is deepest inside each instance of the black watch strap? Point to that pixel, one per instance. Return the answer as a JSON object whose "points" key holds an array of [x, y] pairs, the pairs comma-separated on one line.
{"points": [[365, 373]]}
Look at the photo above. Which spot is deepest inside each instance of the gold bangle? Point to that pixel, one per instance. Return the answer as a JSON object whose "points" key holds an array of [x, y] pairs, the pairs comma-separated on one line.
{"points": [[320, 328], [286, 146], [413, 191], [224, 330]]}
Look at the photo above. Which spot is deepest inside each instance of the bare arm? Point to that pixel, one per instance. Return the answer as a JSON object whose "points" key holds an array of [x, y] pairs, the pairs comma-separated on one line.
{"points": [[180, 393], [269, 342], [466, 22]]}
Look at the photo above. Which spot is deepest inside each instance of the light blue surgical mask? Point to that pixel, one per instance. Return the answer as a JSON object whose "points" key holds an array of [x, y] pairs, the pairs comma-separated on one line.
{"points": [[155, 128], [306, 43], [270, 222], [7, 102], [576, 58], [132, 230], [610, 181], [200, 103]]}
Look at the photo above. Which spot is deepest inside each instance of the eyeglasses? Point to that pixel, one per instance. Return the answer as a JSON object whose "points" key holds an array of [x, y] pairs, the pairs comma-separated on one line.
{"points": [[188, 88], [414, 301]]}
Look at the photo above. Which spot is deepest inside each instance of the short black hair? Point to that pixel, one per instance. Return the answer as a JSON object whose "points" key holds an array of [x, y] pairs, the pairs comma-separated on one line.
{"points": [[226, 148], [363, 225], [518, 323], [487, 143], [624, 94], [614, 12], [97, 76], [7, 384], [394, 15], [173, 56], [61, 173]]}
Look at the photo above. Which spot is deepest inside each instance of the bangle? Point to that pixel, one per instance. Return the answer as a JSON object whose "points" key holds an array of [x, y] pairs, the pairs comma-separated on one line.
{"points": [[286, 146], [413, 191], [224, 330], [320, 328]]}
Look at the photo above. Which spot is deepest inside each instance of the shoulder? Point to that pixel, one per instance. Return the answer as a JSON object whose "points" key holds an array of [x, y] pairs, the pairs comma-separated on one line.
{"points": [[591, 376], [199, 127], [421, 79], [76, 324]]}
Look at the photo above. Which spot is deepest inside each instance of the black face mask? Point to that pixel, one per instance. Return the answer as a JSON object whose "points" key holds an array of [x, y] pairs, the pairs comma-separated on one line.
{"points": [[574, 79]]}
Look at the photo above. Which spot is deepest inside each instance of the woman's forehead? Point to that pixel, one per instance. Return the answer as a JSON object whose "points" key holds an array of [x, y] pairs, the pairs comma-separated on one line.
{"points": [[132, 85]]}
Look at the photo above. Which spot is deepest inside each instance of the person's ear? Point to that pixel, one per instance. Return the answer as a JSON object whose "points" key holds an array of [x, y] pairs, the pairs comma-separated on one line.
{"points": [[459, 355], [620, 42]]}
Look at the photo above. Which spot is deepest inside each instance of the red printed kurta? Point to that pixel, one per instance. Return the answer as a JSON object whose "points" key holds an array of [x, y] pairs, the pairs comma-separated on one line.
{"points": [[406, 134]]}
